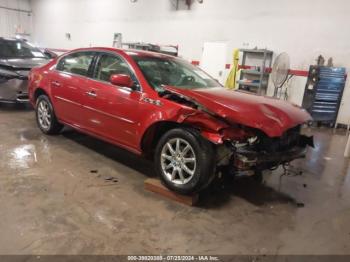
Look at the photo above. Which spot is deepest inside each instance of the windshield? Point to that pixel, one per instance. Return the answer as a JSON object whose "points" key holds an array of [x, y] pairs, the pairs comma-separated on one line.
{"points": [[161, 71], [18, 49]]}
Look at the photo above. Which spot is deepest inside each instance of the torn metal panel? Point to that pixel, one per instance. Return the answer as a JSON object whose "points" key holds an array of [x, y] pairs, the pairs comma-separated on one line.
{"points": [[271, 116]]}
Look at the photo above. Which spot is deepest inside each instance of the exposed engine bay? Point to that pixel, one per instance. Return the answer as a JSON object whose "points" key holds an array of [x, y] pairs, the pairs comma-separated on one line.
{"points": [[261, 152]]}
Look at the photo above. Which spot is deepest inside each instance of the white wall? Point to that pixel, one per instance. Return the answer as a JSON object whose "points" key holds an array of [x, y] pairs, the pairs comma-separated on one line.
{"points": [[12, 22], [303, 29]]}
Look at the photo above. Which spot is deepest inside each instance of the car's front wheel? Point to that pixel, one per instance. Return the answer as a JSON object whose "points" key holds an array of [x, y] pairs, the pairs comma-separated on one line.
{"points": [[45, 116], [185, 161]]}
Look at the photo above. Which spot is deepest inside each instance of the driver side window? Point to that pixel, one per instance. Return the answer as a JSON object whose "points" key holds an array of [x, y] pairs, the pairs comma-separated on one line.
{"points": [[109, 65]]}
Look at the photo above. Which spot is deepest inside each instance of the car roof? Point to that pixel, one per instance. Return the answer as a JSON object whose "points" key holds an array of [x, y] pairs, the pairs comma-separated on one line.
{"points": [[11, 39], [130, 52]]}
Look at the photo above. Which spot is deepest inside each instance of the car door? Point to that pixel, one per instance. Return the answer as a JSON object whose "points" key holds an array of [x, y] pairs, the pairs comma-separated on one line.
{"points": [[112, 111], [67, 83]]}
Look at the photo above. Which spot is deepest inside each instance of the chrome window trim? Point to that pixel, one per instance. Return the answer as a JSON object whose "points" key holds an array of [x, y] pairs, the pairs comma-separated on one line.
{"points": [[97, 80]]}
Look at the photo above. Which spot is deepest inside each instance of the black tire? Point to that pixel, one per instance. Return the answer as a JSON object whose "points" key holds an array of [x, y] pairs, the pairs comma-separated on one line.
{"points": [[53, 127], [203, 166]]}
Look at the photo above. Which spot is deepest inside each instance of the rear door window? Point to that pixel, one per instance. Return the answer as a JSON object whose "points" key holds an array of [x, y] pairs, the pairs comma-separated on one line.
{"points": [[76, 63]]}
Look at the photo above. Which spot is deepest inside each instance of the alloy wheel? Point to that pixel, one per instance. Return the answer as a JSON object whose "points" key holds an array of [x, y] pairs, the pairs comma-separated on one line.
{"points": [[44, 114], [178, 161]]}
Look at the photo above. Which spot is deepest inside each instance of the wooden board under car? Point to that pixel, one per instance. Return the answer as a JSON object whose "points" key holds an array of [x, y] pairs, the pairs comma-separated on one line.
{"points": [[155, 186]]}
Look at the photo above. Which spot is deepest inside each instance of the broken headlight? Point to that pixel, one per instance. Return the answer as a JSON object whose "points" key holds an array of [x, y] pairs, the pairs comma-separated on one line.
{"points": [[248, 142]]}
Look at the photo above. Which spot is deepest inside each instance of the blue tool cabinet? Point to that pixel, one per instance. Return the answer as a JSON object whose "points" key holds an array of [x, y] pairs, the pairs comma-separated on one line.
{"points": [[324, 92]]}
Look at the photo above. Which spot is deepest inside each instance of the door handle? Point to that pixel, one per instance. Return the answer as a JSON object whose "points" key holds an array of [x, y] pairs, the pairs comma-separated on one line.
{"points": [[91, 93], [56, 83]]}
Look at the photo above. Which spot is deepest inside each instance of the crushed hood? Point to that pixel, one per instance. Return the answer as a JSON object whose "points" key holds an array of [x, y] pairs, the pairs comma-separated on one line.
{"points": [[267, 114]]}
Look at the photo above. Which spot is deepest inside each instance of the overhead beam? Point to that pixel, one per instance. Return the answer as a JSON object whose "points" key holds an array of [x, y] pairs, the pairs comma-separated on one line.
{"points": [[16, 10]]}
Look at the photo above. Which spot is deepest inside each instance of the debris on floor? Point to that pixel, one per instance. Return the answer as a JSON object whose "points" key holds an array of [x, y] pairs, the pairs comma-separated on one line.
{"points": [[106, 178], [299, 204], [111, 179]]}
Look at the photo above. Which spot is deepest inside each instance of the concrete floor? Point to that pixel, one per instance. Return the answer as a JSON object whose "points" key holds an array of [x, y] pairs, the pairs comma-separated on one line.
{"points": [[56, 197]]}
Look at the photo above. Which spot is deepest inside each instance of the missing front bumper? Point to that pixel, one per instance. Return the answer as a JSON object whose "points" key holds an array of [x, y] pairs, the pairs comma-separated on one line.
{"points": [[245, 159]]}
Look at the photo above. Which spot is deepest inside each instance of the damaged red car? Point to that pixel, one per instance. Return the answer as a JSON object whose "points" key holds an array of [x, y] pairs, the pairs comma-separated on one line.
{"points": [[169, 110]]}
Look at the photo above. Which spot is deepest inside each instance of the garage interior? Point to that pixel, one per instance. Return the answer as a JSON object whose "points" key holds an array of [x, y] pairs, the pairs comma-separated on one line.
{"points": [[73, 194]]}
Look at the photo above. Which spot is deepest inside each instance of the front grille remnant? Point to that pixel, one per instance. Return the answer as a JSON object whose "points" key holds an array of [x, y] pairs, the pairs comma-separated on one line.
{"points": [[288, 140]]}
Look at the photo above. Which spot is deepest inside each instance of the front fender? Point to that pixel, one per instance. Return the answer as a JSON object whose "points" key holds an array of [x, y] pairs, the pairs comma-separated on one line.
{"points": [[211, 128]]}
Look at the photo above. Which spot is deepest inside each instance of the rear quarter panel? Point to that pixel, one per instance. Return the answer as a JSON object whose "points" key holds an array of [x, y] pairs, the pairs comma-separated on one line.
{"points": [[39, 78]]}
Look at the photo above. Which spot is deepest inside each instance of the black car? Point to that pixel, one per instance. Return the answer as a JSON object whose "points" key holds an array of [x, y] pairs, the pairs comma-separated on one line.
{"points": [[17, 58]]}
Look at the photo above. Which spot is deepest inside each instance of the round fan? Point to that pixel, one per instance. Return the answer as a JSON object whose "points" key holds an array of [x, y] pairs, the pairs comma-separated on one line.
{"points": [[280, 70]]}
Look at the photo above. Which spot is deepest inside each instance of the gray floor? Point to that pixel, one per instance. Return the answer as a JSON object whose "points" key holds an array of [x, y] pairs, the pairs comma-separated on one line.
{"points": [[72, 194]]}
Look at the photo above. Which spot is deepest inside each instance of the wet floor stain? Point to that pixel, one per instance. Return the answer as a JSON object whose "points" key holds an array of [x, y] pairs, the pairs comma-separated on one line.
{"points": [[22, 157], [72, 194], [28, 134]]}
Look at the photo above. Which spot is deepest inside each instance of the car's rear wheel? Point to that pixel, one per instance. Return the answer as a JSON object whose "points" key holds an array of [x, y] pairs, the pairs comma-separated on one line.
{"points": [[185, 161], [45, 116]]}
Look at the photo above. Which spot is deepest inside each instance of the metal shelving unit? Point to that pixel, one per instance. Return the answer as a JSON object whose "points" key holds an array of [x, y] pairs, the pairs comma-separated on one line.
{"points": [[256, 78]]}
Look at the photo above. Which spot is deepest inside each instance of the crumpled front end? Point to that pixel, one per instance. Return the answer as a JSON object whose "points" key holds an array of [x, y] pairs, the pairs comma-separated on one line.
{"points": [[259, 152], [14, 78], [262, 152], [241, 147], [13, 85], [13, 91], [271, 116], [247, 149]]}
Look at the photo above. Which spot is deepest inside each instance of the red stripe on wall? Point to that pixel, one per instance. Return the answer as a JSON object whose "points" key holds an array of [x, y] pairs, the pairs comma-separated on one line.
{"points": [[194, 62], [268, 69], [299, 72]]}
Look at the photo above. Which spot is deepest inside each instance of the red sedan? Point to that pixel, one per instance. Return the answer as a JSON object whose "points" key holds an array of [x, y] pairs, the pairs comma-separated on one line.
{"points": [[165, 108]]}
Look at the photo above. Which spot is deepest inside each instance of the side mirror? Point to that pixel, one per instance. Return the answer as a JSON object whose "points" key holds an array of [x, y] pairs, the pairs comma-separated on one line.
{"points": [[121, 80]]}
